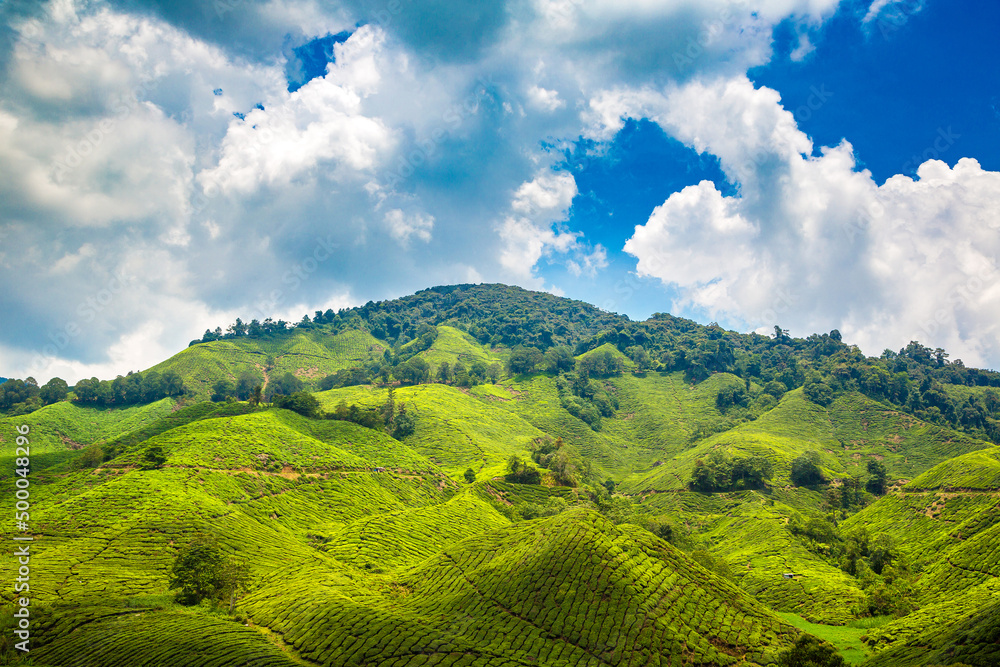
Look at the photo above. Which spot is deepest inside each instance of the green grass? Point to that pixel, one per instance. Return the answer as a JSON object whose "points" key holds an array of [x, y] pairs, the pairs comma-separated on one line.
{"points": [[847, 639], [67, 426], [572, 589]]}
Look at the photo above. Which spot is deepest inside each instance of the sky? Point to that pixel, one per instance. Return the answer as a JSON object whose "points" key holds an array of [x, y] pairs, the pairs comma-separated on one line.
{"points": [[167, 166]]}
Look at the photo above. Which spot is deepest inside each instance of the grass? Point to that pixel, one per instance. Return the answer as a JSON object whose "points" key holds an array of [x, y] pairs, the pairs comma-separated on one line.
{"points": [[846, 638]]}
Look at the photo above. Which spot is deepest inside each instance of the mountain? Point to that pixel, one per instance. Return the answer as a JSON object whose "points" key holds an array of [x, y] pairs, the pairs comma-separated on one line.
{"points": [[483, 475]]}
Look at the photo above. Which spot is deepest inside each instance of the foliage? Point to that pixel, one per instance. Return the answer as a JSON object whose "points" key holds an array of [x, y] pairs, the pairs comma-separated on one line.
{"points": [[131, 389], [519, 472], [554, 455], [809, 651], [301, 402], [202, 571], [877, 484], [373, 551], [524, 360], [805, 469], [153, 457], [720, 472]]}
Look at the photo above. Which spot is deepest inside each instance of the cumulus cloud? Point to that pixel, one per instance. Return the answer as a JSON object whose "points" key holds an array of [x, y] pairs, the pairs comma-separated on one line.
{"points": [[811, 241], [158, 139], [536, 229], [321, 122]]}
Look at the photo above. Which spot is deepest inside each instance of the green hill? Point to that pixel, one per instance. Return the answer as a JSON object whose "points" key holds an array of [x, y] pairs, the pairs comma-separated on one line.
{"points": [[538, 514]]}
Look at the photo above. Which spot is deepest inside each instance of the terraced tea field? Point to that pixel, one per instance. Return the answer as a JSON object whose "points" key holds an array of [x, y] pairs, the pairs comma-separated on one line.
{"points": [[365, 549]]}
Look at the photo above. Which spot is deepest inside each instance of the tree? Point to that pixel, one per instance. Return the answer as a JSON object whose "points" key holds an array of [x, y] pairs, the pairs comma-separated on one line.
{"points": [[245, 384], [751, 472], [470, 475], [493, 372], [415, 370], [818, 392], [878, 482], [287, 384], [523, 360], [404, 424], [202, 572], [444, 373], [731, 396], [153, 458], [809, 651], [53, 391], [256, 396], [91, 457], [805, 469], [173, 384], [221, 390], [389, 408], [301, 402], [519, 472], [639, 356], [559, 359], [702, 477]]}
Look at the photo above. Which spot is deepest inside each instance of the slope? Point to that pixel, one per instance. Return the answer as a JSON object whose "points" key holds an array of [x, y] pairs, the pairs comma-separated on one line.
{"points": [[572, 589]]}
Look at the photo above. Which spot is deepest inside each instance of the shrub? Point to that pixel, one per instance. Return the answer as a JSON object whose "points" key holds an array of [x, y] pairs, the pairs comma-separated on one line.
{"points": [[301, 402], [809, 651], [153, 458], [518, 472]]}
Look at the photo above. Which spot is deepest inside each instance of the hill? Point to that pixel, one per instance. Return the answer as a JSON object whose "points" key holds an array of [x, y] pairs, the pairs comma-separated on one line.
{"points": [[483, 475]]}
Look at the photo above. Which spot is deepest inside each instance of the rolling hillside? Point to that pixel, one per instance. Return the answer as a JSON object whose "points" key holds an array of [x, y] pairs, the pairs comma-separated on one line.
{"points": [[370, 538]]}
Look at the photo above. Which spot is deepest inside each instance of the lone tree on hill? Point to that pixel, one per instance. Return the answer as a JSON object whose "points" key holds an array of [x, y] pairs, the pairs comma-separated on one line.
{"points": [[809, 651], [805, 470], [202, 572], [878, 482]]}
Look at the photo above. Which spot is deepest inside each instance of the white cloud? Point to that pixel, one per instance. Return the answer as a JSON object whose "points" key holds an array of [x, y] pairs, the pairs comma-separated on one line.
{"points": [[321, 122], [528, 234], [547, 100], [536, 229], [546, 198], [405, 136], [403, 226], [812, 243], [878, 7], [588, 264]]}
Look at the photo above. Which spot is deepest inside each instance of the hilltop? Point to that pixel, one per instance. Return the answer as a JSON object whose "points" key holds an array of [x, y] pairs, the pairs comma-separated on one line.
{"points": [[483, 475]]}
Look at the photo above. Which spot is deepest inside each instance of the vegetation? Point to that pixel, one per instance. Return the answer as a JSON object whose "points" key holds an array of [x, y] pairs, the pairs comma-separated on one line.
{"points": [[481, 475], [202, 572]]}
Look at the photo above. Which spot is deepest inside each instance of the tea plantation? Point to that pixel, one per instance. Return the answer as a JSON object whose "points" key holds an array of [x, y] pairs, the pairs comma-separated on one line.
{"points": [[593, 502]]}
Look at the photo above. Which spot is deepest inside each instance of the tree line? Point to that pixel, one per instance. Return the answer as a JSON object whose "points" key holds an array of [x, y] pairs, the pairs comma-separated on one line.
{"points": [[20, 397], [130, 389]]}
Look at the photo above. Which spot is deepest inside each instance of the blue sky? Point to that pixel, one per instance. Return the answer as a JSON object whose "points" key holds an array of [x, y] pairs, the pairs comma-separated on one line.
{"points": [[168, 166]]}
